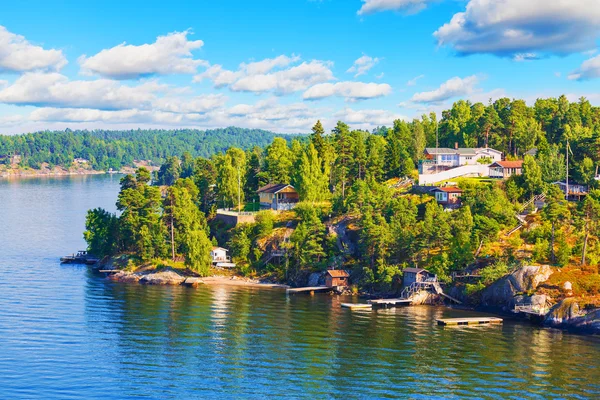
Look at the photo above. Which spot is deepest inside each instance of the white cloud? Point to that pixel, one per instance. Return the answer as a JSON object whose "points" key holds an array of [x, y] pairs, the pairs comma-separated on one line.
{"points": [[590, 69], [259, 77], [268, 64], [362, 65], [351, 91], [454, 87], [197, 104], [219, 76], [408, 6], [265, 114], [170, 54], [511, 27], [367, 119], [413, 81], [380, 76], [286, 81], [11, 120], [56, 91], [18, 55]]}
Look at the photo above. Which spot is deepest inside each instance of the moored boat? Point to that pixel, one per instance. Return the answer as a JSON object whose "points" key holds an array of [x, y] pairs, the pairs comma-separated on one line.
{"points": [[82, 257]]}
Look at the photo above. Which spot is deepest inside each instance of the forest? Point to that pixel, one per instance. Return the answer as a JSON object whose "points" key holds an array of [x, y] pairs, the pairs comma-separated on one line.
{"points": [[352, 179], [116, 149]]}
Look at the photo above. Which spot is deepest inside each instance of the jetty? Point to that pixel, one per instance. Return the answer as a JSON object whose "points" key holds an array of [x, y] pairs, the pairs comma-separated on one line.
{"points": [[390, 302], [357, 306], [469, 321], [309, 289]]}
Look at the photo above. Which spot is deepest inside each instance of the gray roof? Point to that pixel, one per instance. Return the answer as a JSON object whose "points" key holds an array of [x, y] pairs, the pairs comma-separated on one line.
{"points": [[414, 270], [440, 150], [465, 151]]}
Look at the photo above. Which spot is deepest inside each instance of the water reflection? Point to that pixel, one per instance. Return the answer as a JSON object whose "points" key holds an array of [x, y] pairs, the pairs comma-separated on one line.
{"points": [[236, 341], [69, 333]]}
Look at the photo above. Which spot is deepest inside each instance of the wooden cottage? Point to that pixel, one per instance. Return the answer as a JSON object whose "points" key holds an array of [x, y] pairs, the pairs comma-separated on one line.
{"points": [[278, 196], [506, 169], [449, 197], [573, 191], [337, 278], [413, 275]]}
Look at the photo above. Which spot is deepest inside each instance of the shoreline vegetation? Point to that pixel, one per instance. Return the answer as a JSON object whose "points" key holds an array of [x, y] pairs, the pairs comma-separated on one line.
{"points": [[358, 209]]}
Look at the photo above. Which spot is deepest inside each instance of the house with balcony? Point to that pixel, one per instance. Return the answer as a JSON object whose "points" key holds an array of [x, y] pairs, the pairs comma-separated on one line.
{"points": [[278, 196], [442, 159], [506, 169], [573, 191]]}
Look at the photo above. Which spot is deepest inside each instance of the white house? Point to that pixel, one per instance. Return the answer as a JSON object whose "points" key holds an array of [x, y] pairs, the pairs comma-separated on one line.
{"points": [[443, 158], [219, 254]]}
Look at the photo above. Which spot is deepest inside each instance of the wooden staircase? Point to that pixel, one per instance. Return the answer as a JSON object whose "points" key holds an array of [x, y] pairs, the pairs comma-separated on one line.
{"points": [[523, 213]]}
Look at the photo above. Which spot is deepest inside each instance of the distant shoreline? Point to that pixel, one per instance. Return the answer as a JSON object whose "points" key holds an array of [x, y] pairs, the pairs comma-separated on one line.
{"points": [[59, 172]]}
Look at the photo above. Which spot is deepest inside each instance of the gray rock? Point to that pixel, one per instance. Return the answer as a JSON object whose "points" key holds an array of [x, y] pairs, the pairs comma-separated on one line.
{"points": [[503, 292], [314, 278]]}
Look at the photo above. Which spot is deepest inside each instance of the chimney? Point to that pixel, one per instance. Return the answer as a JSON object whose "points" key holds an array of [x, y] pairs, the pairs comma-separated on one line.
{"points": [[455, 145]]}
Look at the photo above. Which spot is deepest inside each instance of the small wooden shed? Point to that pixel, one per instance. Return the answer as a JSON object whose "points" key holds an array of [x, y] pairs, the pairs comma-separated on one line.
{"points": [[412, 275], [336, 278]]}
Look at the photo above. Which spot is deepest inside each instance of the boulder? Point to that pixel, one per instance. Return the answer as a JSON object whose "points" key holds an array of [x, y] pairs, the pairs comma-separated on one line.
{"points": [[568, 314], [525, 279], [123, 276], [162, 278], [193, 282]]}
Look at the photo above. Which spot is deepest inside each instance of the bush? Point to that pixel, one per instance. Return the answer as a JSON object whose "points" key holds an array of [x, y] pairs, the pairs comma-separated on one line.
{"points": [[471, 289], [540, 250], [264, 223], [494, 272]]}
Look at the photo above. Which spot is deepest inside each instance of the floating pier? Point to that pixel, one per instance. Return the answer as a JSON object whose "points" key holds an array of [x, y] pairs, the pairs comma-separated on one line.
{"points": [[309, 289], [469, 321], [389, 302], [357, 306]]}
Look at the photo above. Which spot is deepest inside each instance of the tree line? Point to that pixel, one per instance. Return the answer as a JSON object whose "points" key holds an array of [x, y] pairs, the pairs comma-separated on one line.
{"points": [[106, 149], [350, 175]]}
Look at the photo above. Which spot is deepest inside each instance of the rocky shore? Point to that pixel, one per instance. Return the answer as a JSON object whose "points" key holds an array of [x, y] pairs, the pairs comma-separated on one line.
{"points": [[175, 278], [525, 287]]}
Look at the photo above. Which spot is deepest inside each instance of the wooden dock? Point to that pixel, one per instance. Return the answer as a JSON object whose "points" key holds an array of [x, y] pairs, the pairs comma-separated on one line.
{"points": [[389, 302], [357, 306], [309, 289], [469, 321]]}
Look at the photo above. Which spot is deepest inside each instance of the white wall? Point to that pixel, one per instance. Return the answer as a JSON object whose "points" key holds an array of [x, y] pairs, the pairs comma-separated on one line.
{"points": [[476, 170]]}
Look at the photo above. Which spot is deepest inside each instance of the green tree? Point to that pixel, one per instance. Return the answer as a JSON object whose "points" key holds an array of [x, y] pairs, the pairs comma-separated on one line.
{"points": [[102, 232], [278, 161], [169, 172], [556, 212], [198, 252], [532, 176]]}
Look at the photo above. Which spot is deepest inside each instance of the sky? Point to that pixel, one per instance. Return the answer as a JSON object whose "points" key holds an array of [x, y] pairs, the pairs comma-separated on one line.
{"points": [[283, 64]]}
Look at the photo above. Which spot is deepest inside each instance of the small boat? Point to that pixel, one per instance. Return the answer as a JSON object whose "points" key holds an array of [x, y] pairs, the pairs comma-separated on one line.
{"points": [[82, 257]]}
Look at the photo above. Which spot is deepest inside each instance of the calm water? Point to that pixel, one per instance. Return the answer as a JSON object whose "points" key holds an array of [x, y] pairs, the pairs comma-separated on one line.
{"points": [[67, 333]]}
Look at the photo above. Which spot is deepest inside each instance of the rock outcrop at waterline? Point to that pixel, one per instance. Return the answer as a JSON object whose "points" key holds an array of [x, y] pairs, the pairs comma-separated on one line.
{"points": [[509, 290], [568, 314], [167, 277]]}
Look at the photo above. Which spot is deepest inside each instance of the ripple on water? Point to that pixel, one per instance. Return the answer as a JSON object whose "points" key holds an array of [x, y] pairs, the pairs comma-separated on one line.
{"points": [[67, 333]]}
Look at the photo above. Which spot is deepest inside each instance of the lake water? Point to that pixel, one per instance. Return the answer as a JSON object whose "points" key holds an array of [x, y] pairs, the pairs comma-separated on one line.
{"points": [[68, 333]]}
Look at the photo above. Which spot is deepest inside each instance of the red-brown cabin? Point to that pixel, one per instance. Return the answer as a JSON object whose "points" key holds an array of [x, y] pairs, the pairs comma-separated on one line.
{"points": [[337, 277]]}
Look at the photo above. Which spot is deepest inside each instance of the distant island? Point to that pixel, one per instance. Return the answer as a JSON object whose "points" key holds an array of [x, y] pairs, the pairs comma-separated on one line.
{"points": [[509, 229], [81, 152]]}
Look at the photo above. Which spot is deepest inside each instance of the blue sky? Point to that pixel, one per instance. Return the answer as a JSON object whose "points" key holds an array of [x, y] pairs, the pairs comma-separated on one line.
{"points": [[281, 65]]}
